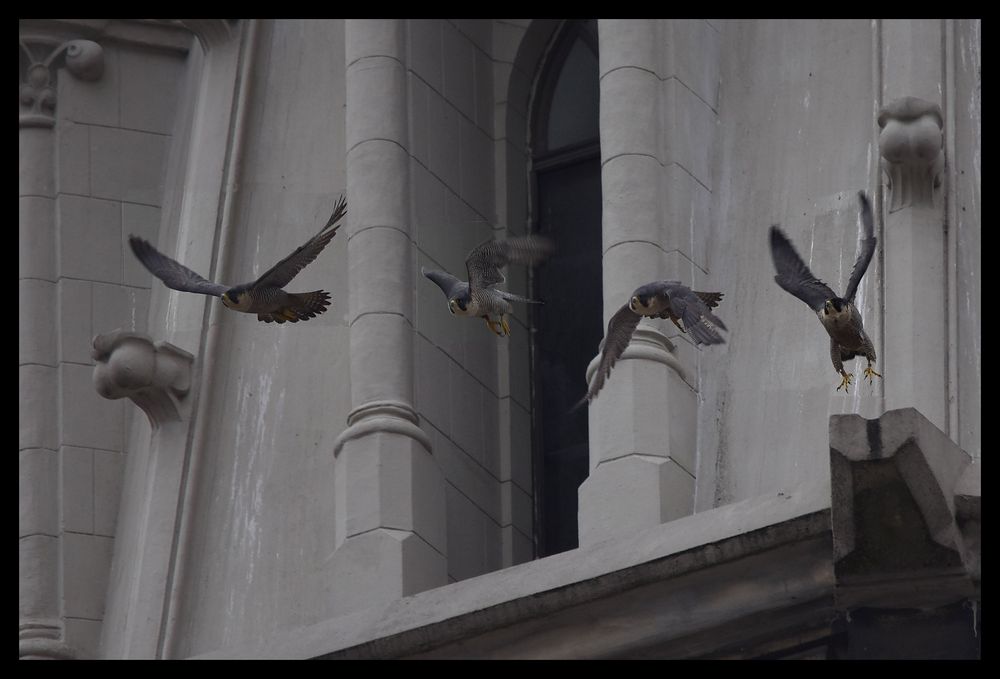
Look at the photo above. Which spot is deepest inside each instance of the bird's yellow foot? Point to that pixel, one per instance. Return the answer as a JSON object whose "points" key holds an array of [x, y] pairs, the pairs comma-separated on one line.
{"points": [[503, 324], [491, 325], [678, 325], [846, 381], [869, 372]]}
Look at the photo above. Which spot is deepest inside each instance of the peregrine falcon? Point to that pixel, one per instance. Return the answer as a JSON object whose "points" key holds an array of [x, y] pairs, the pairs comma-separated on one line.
{"points": [[838, 315], [478, 297], [264, 296], [661, 299]]}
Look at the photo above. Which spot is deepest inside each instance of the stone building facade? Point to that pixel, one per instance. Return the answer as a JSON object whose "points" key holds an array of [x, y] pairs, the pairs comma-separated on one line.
{"points": [[387, 480]]}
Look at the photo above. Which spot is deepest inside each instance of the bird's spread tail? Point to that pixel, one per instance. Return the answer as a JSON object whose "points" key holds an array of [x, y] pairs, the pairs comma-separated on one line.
{"points": [[303, 306]]}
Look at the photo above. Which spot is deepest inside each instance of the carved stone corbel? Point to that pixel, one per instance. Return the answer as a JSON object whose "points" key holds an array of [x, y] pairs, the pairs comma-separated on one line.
{"points": [[910, 142], [155, 375], [84, 59]]}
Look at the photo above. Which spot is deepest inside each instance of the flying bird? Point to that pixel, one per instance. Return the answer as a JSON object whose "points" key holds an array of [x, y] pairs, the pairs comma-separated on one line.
{"points": [[660, 299], [264, 296], [478, 297], [838, 315]]}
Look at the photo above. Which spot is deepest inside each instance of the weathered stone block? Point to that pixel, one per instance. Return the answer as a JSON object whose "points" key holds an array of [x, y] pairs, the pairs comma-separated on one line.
{"points": [[38, 485], [459, 70], [86, 568], [386, 480], [36, 337], [127, 165], [381, 566], [626, 495], [894, 526], [90, 242], [77, 471]]}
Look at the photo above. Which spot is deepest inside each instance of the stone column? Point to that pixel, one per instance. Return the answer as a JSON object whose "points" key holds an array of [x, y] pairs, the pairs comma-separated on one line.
{"points": [[389, 490], [915, 351], [642, 425], [40, 628]]}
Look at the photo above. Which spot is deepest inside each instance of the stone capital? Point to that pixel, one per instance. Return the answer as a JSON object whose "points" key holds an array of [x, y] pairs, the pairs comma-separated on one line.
{"points": [[155, 375], [39, 64]]}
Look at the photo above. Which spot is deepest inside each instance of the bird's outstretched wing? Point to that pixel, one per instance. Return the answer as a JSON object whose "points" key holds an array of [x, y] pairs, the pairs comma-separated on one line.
{"points": [[690, 306], [450, 286], [517, 298], [174, 275], [484, 262], [793, 275], [868, 243], [283, 272], [620, 328]]}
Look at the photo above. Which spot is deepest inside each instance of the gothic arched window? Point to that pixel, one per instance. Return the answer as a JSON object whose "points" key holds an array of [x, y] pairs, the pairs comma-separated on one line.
{"points": [[566, 190]]}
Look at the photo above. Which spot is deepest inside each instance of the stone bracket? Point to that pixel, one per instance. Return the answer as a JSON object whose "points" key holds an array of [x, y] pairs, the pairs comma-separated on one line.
{"points": [[155, 375], [896, 538], [910, 141]]}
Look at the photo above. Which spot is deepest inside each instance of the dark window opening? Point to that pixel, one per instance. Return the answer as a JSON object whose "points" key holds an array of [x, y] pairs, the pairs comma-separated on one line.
{"points": [[566, 178]]}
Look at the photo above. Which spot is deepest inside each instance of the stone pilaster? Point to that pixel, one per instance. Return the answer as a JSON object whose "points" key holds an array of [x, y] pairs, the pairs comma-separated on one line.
{"points": [[41, 629], [642, 425], [389, 489], [914, 238]]}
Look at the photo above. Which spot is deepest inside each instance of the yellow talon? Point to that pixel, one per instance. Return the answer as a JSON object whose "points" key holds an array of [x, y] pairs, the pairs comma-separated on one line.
{"points": [[846, 382], [678, 325], [869, 371], [503, 324]]}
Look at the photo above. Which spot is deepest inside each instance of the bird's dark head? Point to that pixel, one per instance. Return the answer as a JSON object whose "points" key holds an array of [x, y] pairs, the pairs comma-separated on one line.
{"points": [[232, 297], [641, 298], [459, 303], [835, 305]]}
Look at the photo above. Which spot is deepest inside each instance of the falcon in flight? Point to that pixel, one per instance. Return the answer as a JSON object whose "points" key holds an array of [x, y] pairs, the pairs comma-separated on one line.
{"points": [[838, 315], [478, 297], [264, 296], [661, 299]]}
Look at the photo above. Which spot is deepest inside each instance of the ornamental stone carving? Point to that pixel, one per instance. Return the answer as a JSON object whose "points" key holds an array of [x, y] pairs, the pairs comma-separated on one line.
{"points": [[84, 59], [156, 376], [910, 142]]}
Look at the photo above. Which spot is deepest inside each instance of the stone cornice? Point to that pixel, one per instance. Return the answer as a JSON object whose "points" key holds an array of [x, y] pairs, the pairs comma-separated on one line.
{"points": [[169, 35]]}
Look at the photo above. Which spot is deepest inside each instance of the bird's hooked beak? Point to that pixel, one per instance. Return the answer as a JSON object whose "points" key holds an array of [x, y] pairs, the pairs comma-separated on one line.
{"points": [[225, 300], [633, 303], [451, 305]]}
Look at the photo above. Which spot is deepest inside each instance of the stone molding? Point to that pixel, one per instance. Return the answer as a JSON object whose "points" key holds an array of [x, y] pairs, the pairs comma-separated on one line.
{"points": [[649, 344], [84, 59], [154, 375], [394, 417], [41, 640], [911, 141]]}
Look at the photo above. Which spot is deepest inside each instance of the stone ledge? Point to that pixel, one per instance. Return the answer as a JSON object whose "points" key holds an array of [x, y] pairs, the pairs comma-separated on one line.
{"points": [[491, 615]]}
